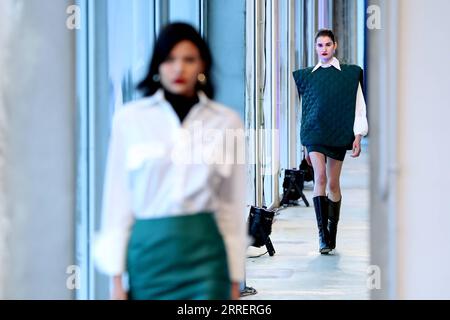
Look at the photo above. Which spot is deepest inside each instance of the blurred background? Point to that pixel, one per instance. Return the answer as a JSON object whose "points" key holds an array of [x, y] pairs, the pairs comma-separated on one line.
{"points": [[66, 66]]}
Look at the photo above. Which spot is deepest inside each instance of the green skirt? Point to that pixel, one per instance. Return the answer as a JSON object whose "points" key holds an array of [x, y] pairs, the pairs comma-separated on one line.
{"points": [[177, 258]]}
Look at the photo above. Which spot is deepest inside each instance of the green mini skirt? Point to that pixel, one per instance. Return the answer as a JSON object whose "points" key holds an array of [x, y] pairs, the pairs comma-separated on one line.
{"points": [[337, 153], [177, 258]]}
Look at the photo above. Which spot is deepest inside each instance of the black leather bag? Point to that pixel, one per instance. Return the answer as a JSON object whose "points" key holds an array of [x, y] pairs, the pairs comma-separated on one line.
{"points": [[308, 172], [260, 227]]}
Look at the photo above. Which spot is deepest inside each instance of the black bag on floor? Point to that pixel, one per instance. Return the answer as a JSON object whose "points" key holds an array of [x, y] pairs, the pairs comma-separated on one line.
{"points": [[293, 187], [260, 227]]}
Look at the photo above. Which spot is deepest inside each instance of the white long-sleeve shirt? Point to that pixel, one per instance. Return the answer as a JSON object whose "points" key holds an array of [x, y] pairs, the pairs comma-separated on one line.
{"points": [[159, 167], [360, 126]]}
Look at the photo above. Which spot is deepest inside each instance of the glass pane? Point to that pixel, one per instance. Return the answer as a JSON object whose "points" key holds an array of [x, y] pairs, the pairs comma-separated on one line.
{"points": [[226, 38], [119, 41], [130, 30], [185, 11]]}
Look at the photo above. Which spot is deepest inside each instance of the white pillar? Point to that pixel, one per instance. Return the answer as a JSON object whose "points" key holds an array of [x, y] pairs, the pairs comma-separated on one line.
{"points": [[409, 112], [7, 23], [424, 150], [40, 172], [325, 14]]}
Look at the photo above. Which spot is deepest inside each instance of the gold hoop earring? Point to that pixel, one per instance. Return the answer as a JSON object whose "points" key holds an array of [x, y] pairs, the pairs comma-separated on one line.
{"points": [[201, 78]]}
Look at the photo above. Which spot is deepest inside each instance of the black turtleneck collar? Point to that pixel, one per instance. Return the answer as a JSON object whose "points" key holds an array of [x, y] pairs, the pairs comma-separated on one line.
{"points": [[181, 104]]}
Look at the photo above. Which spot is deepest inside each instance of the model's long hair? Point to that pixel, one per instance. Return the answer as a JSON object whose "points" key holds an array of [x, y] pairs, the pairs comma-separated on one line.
{"points": [[169, 37]]}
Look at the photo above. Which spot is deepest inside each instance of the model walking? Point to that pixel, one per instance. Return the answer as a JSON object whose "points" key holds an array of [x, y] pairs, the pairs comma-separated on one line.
{"points": [[333, 121]]}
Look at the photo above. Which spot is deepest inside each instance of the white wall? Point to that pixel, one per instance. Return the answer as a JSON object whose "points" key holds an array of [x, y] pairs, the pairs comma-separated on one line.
{"points": [[6, 27], [424, 150], [409, 105], [40, 179]]}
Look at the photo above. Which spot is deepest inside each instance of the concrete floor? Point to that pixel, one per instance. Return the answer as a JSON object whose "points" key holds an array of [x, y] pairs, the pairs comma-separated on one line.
{"points": [[297, 271]]}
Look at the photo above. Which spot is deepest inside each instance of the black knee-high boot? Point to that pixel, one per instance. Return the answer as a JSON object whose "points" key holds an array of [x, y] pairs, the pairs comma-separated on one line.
{"points": [[334, 209], [321, 208]]}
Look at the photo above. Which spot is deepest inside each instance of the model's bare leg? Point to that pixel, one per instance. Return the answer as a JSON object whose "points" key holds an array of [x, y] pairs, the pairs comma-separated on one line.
{"points": [[320, 173], [320, 200], [334, 169]]}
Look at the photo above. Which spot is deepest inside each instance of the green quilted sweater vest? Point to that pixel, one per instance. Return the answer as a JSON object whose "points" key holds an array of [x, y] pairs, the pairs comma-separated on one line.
{"points": [[328, 104]]}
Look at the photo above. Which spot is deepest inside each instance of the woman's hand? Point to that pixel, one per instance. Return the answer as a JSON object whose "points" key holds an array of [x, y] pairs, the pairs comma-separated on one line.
{"points": [[356, 147], [118, 292], [307, 157], [235, 291]]}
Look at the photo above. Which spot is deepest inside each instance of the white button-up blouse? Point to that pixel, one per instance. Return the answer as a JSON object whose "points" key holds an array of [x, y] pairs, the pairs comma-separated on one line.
{"points": [[159, 167]]}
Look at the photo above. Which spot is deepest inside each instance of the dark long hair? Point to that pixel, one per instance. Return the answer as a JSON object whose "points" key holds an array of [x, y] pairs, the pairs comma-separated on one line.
{"points": [[169, 37]]}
